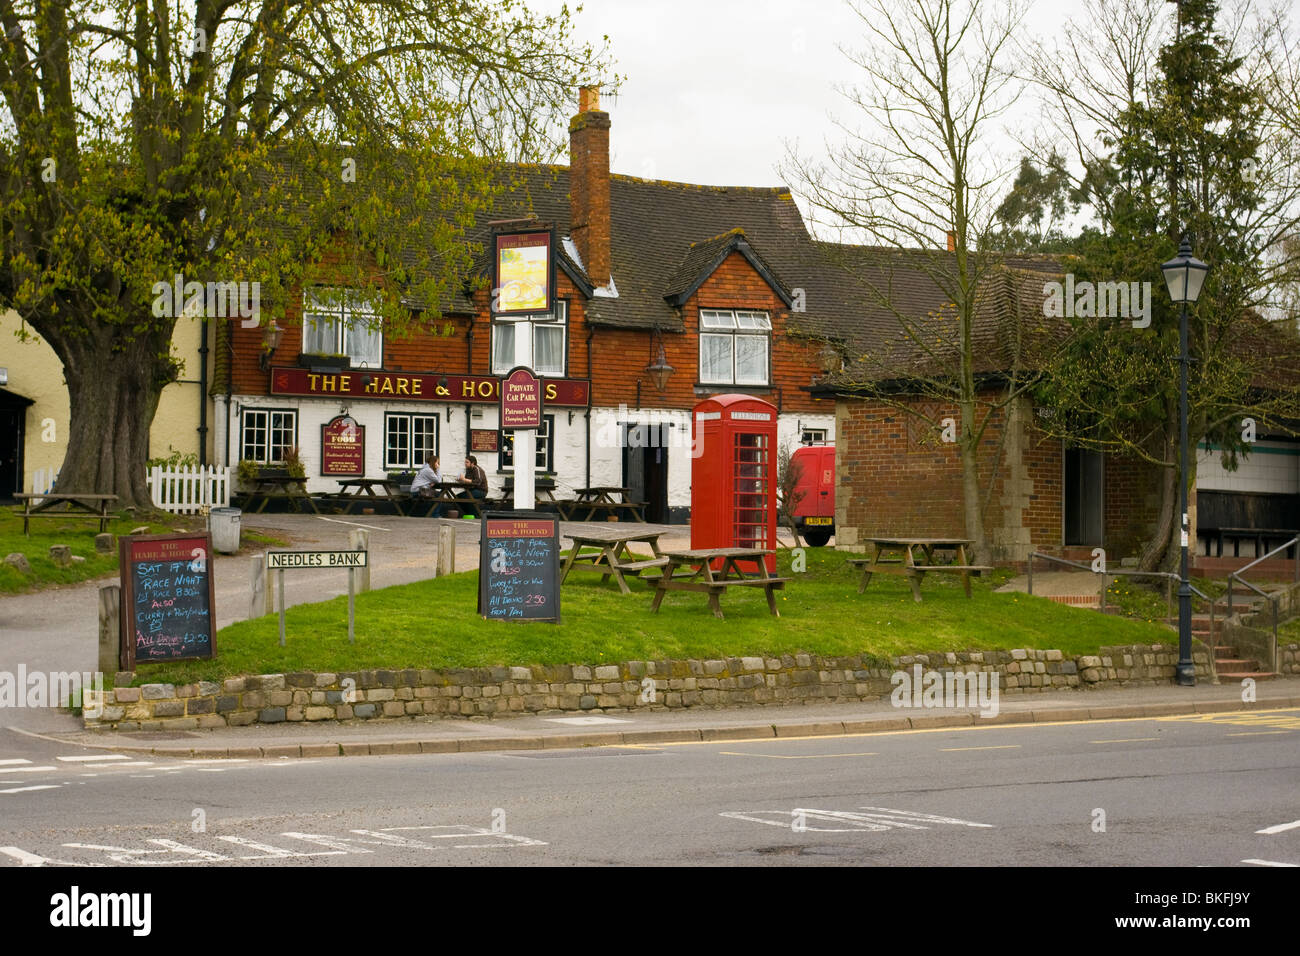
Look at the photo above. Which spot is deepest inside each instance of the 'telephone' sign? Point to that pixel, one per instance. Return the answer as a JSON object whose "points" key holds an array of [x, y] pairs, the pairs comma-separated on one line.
{"points": [[282, 560]]}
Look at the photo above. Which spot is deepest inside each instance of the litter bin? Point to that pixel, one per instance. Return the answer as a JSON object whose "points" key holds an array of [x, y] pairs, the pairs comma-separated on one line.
{"points": [[224, 525]]}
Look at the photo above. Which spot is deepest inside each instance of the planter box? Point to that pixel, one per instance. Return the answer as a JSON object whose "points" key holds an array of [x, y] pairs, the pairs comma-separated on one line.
{"points": [[328, 362]]}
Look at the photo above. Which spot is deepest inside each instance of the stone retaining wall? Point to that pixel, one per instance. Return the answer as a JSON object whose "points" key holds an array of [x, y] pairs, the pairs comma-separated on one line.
{"points": [[633, 685]]}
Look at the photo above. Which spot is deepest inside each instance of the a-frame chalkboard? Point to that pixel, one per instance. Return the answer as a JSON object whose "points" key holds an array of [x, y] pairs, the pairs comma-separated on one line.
{"points": [[167, 597], [519, 567]]}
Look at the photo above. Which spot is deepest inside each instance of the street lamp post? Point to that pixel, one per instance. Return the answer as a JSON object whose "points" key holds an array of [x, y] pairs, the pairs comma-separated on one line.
{"points": [[1184, 275]]}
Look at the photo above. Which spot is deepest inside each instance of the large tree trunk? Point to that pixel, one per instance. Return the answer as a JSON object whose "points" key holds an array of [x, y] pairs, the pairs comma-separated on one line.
{"points": [[113, 388], [1161, 551], [971, 499]]}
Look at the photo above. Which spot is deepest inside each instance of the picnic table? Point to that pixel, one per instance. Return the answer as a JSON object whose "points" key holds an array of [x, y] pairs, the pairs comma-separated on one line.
{"points": [[79, 506], [352, 490], [899, 556], [600, 500], [615, 556], [280, 488], [544, 494], [715, 583], [444, 493]]}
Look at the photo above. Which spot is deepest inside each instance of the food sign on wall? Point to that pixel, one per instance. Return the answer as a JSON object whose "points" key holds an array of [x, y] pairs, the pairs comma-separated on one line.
{"points": [[342, 448], [524, 272]]}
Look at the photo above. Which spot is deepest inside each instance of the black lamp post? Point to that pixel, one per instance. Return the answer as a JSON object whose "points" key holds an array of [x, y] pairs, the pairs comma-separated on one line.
{"points": [[1184, 275]]}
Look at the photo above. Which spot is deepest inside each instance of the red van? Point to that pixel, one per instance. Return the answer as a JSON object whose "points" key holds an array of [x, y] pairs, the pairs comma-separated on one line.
{"points": [[814, 515]]}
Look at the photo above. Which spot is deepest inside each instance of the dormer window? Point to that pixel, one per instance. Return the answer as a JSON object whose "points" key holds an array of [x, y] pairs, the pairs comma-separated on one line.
{"points": [[735, 347], [338, 322]]}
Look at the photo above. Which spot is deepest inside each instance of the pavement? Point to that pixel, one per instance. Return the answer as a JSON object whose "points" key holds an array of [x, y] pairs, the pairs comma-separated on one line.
{"points": [[537, 732]]}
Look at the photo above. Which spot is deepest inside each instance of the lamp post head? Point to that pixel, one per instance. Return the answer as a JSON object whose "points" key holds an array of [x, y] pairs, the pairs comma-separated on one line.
{"points": [[1184, 274]]}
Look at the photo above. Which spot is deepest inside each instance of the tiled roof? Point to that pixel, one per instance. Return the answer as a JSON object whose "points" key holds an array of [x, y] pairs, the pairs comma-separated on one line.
{"points": [[702, 258]]}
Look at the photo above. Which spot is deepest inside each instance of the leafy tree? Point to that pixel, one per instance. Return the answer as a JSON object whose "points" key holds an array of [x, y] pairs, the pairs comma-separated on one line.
{"points": [[226, 141], [919, 180], [1031, 216], [1185, 149]]}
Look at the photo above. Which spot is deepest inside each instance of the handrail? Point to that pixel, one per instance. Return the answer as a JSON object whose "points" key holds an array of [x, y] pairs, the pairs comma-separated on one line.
{"points": [[1273, 600], [1169, 577]]}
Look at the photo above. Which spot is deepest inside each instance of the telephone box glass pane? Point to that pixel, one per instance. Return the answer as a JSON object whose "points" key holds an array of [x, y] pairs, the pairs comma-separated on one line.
{"points": [[750, 490]]}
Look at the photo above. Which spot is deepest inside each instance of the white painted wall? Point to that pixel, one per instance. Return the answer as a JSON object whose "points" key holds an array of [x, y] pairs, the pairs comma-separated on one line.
{"points": [[1273, 467], [570, 439]]}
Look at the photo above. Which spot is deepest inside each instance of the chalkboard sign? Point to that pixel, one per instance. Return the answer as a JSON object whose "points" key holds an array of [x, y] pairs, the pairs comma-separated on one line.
{"points": [[519, 567], [167, 597]]}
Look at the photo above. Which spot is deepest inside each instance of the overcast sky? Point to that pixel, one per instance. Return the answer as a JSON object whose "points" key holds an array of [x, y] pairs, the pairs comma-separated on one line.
{"points": [[715, 87]]}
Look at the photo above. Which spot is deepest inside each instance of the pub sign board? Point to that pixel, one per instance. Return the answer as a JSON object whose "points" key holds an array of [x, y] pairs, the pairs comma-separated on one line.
{"points": [[342, 448], [168, 597], [484, 440], [521, 400], [523, 272], [379, 385], [519, 567]]}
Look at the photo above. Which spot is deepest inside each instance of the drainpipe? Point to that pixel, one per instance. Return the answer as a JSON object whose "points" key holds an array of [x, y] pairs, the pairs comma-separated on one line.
{"points": [[230, 385], [203, 396]]}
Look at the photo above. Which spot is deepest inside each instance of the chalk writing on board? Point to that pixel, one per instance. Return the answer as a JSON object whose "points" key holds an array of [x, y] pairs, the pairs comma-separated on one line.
{"points": [[519, 569], [167, 591]]}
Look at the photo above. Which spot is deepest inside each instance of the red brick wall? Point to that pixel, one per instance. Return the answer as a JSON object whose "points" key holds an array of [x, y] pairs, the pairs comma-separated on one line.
{"points": [[891, 481], [620, 356]]}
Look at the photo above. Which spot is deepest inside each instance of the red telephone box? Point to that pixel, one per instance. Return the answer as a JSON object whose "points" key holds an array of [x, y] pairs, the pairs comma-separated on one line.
{"points": [[733, 474]]}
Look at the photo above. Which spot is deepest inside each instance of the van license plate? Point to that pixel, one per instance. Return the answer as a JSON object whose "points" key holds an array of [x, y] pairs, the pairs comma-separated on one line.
{"points": [[816, 520]]}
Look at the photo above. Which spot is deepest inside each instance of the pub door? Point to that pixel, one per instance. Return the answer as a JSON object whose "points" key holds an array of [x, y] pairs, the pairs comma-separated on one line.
{"points": [[1083, 497], [11, 449], [645, 468]]}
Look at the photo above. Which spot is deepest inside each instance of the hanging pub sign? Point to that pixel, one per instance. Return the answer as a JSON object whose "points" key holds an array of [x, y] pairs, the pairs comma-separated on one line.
{"points": [[342, 448], [523, 271], [521, 400]]}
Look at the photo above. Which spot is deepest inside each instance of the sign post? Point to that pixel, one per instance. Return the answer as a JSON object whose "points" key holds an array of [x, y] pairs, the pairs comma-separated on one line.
{"points": [[521, 411], [280, 561]]}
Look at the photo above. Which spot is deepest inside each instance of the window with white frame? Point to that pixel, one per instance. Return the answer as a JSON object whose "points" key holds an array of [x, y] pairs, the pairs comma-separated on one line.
{"points": [[734, 347], [342, 322], [265, 434], [545, 447], [409, 440], [813, 436], [548, 332]]}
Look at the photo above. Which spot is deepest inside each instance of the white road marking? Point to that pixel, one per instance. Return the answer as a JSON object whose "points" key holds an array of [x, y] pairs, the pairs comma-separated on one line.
{"points": [[95, 758], [22, 856], [587, 720], [112, 766], [28, 769], [1280, 827], [998, 747], [1269, 863], [1123, 740], [13, 763], [875, 820], [355, 524], [210, 769], [44, 786]]}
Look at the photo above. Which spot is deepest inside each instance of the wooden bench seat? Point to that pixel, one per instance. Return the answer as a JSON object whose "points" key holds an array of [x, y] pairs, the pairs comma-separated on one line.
{"points": [[640, 565], [973, 568], [777, 583]]}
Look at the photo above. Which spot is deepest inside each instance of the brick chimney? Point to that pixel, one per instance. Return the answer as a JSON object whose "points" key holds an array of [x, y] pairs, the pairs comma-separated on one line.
{"points": [[589, 184], [952, 241]]}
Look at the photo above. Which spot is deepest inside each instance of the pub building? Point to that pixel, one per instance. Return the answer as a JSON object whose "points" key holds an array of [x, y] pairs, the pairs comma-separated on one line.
{"points": [[665, 294]]}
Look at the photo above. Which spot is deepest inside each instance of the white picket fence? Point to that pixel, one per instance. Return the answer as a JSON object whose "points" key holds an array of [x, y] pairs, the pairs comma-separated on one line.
{"points": [[186, 490], [43, 480]]}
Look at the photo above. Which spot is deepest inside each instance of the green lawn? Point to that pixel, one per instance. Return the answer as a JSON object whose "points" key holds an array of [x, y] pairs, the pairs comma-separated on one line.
{"points": [[433, 624], [80, 536]]}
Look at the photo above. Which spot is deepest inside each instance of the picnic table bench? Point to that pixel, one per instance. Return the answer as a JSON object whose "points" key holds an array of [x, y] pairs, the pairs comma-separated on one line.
{"points": [[79, 506], [715, 583], [279, 488], [600, 500], [352, 490], [614, 557], [445, 494], [898, 556]]}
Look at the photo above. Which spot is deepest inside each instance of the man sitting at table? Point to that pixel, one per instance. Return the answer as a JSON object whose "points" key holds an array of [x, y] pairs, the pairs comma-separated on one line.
{"points": [[429, 476], [475, 477]]}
